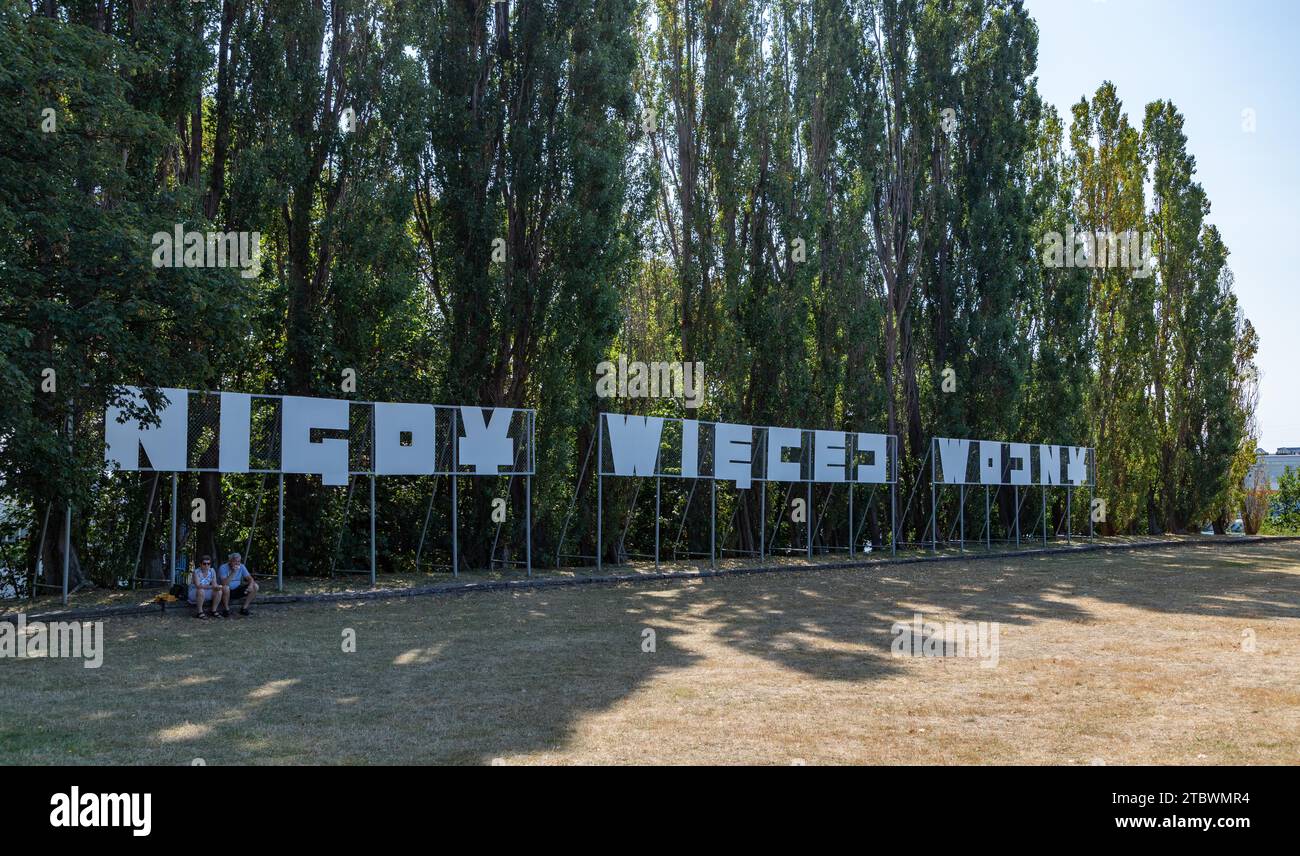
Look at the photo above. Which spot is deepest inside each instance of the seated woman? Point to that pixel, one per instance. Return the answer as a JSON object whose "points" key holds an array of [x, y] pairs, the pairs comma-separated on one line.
{"points": [[204, 588]]}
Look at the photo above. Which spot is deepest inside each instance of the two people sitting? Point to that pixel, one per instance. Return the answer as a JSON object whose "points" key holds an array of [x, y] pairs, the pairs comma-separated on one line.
{"points": [[212, 591]]}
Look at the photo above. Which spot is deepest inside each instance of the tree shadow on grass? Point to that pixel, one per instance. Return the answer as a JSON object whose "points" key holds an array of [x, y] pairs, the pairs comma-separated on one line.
{"points": [[506, 674]]}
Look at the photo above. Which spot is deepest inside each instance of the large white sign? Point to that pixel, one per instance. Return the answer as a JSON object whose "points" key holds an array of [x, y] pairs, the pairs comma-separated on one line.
{"points": [[687, 448], [990, 462], [332, 438]]}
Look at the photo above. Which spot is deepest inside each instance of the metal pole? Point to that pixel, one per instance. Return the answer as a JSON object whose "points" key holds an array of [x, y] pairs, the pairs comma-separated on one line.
{"points": [[1090, 497], [713, 522], [373, 550], [1068, 509], [1016, 489], [961, 513], [893, 505], [658, 482], [67, 525], [257, 511], [762, 520], [934, 502], [424, 530], [988, 521], [808, 519], [171, 566], [455, 467], [1044, 515], [528, 494], [851, 534], [148, 512], [279, 543], [600, 487], [67, 551], [38, 570]]}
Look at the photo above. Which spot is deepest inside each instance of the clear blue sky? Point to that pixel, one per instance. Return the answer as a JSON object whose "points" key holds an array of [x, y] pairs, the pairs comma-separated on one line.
{"points": [[1213, 59]]}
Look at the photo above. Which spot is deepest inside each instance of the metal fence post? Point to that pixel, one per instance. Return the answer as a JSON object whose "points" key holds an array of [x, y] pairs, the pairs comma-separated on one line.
{"points": [[657, 491], [279, 543], [934, 503], [1069, 524], [455, 504], [171, 566], [1016, 490], [713, 522], [893, 503], [373, 546], [1044, 515], [67, 550], [600, 489], [808, 517]]}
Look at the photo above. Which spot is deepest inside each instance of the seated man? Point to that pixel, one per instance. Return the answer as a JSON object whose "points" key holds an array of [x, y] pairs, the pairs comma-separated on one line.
{"points": [[236, 584], [204, 588]]}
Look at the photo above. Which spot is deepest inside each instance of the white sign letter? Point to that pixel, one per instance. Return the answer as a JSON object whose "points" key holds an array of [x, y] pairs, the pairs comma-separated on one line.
{"points": [[164, 443], [418, 458], [329, 457], [733, 456], [953, 455], [486, 444], [778, 440], [634, 443]]}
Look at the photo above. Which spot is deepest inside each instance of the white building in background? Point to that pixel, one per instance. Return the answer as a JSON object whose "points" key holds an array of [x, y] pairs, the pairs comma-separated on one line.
{"points": [[1273, 466]]}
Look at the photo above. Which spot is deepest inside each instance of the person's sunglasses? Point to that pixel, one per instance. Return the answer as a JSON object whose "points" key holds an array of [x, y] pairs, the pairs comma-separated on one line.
{"points": [[206, 563]]}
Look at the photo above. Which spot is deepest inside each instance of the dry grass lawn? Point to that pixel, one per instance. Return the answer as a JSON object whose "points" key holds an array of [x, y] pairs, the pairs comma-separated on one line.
{"points": [[1105, 657]]}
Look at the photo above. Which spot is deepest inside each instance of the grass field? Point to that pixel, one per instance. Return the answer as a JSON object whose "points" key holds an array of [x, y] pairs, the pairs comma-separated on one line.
{"points": [[1111, 657]]}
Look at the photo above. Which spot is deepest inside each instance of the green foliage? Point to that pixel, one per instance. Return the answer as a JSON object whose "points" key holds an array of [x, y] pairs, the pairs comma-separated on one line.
{"points": [[772, 187]]}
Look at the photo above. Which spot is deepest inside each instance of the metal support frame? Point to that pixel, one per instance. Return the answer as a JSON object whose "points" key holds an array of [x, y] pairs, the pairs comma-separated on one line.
{"points": [[424, 529], [812, 521], [33, 580], [1017, 515], [658, 484], [455, 496], [374, 553], [343, 525], [961, 514], [893, 503], [144, 530], [852, 527], [528, 496], [934, 501], [808, 519], [960, 523], [171, 560], [1069, 522], [496, 537], [564, 529], [988, 520], [1044, 490], [713, 523], [279, 542], [67, 550], [257, 512], [686, 510], [600, 490]]}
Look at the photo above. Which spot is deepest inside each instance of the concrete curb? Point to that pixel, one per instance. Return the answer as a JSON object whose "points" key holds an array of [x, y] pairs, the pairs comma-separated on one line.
{"points": [[456, 588]]}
